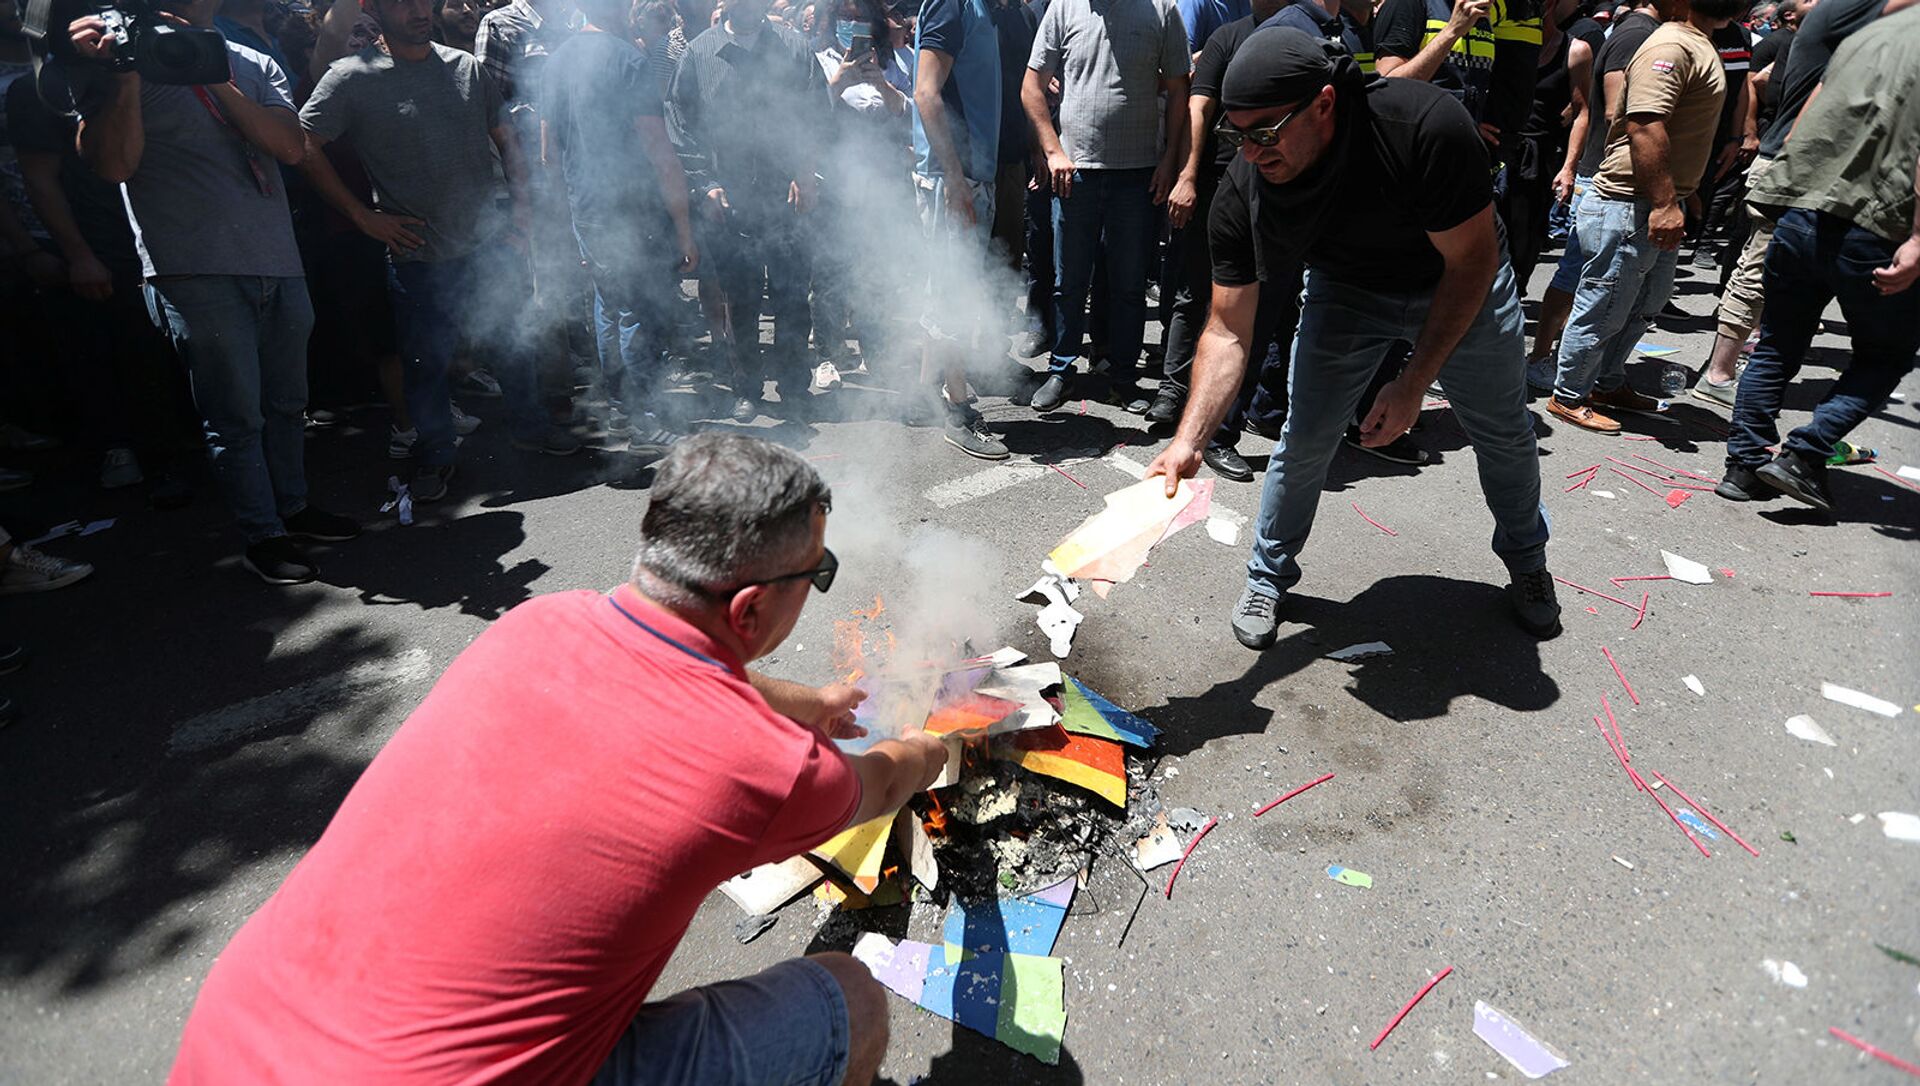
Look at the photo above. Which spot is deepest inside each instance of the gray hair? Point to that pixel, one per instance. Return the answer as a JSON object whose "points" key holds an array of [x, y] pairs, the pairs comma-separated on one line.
{"points": [[726, 509]]}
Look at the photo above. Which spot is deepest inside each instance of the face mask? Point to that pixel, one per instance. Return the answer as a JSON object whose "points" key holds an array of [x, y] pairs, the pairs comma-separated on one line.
{"points": [[845, 30]]}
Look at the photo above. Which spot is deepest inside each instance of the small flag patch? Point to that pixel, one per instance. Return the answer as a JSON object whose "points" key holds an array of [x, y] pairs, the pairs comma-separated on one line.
{"points": [[1664, 67]]}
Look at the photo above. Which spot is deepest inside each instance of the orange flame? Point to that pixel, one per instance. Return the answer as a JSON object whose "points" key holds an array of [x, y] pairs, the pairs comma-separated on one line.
{"points": [[936, 820], [879, 608]]}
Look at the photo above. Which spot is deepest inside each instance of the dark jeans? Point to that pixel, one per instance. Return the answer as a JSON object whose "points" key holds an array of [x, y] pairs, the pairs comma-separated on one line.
{"points": [[1116, 205], [1190, 264], [756, 253], [1816, 258], [434, 303], [632, 288], [1039, 223]]}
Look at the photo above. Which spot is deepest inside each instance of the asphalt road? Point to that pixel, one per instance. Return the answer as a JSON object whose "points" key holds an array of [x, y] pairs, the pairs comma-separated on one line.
{"points": [[185, 733]]}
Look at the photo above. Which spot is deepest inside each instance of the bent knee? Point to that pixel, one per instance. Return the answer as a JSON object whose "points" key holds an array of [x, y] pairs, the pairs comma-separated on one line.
{"points": [[866, 998]]}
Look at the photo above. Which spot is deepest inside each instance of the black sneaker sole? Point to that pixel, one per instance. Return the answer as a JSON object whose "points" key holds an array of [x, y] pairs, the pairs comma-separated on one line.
{"points": [[278, 579], [1543, 633], [1785, 483]]}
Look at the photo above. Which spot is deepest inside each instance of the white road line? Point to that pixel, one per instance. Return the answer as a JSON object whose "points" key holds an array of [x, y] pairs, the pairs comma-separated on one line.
{"points": [[982, 483], [299, 702]]}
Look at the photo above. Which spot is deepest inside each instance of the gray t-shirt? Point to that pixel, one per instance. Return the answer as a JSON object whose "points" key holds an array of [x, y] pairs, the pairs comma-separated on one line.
{"points": [[1110, 56], [204, 201], [421, 130]]}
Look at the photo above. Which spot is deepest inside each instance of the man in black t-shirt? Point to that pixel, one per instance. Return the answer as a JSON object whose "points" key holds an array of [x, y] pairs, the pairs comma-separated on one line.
{"points": [[1382, 191]]}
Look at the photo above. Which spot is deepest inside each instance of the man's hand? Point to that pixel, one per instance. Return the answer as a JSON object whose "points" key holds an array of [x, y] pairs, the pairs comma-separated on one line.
{"points": [[1900, 274], [1394, 410], [1060, 173], [1179, 460], [1465, 14], [689, 252], [1667, 225], [1490, 133], [933, 757], [89, 278], [833, 717], [1163, 180], [1729, 155], [1182, 200], [89, 37], [717, 205], [390, 230], [959, 198], [802, 194], [1563, 185]]}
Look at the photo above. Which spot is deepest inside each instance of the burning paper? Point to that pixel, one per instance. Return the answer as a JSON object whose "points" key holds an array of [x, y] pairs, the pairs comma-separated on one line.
{"points": [[1509, 1038], [857, 851], [1111, 544], [1017, 999], [1858, 700], [921, 863], [1685, 569], [1022, 686]]}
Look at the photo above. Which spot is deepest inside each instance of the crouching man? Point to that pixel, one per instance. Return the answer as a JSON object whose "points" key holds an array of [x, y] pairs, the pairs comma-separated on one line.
{"points": [[498, 893]]}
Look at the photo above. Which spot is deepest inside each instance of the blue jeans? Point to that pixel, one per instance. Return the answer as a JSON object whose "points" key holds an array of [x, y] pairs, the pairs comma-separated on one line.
{"points": [[1625, 283], [1815, 258], [1566, 277], [244, 339], [1117, 206], [1346, 332], [786, 1024], [434, 304], [631, 287]]}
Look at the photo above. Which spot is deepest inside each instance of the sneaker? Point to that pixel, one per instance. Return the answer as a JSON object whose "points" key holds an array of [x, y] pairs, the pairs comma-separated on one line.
{"points": [[651, 439], [1715, 393], [1401, 450], [18, 439], [1226, 463], [120, 468], [553, 442], [29, 570], [400, 442], [430, 483], [1706, 256], [1741, 483], [1051, 393], [1799, 479], [1255, 619], [1167, 405], [1030, 344], [744, 410], [478, 383], [278, 561], [15, 479], [12, 659], [1582, 416], [463, 423], [1534, 604], [1128, 397], [321, 526], [967, 431], [1625, 398], [1541, 373]]}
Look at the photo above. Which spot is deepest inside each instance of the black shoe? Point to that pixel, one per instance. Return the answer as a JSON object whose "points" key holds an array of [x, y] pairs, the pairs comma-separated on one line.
{"points": [[1051, 393], [1740, 483], [1256, 620], [1167, 405], [1029, 344], [321, 526], [1127, 396], [430, 483], [12, 659], [1793, 476], [278, 561], [1226, 463], [1401, 450], [1534, 604], [1259, 428]]}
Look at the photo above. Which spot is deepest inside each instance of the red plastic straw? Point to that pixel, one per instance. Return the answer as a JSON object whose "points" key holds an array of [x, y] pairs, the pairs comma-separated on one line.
{"points": [[1584, 471], [1611, 719], [1641, 470], [1291, 794], [1631, 775], [1675, 817], [1616, 581], [1876, 1053], [1645, 597], [1370, 520], [1070, 478], [1578, 485], [1894, 477], [1417, 997], [1669, 467], [1211, 822], [1594, 592], [1636, 482], [1623, 675], [1854, 595], [1704, 813]]}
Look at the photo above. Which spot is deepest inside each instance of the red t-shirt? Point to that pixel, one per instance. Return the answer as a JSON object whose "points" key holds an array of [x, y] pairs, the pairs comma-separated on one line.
{"points": [[498, 893]]}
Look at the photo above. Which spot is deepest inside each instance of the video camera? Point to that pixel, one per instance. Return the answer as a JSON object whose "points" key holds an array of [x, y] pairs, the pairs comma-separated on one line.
{"points": [[144, 42]]}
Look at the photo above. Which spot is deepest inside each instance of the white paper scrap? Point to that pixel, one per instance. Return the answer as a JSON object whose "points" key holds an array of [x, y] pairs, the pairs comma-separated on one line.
{"points": [[1693, 684], [1858, 700], [1785, 973], [1685, 569], [1222, 530], [1361, 651], [1158, 847], [1803, 727], [97, 526], [769, 886], [1523, 1050], [1900, 826], [1908, 472], [1601, 493], [1059, 621]]}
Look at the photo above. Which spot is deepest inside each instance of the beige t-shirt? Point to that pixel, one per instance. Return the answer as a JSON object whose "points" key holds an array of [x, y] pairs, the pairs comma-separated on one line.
{"points": [[1677, 76]]}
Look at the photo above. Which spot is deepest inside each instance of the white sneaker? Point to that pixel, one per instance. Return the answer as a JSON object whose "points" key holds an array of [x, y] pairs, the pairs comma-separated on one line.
{"points": [[463, 423], [479, 383], [1541, 374], [29, 570], [400, 442], [120, 468]]}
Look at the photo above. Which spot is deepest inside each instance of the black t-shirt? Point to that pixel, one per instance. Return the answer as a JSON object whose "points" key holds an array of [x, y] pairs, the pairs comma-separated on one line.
{"points": [[1735, 46], [1773, 50], [1552, 92], [1821, 32], [1588, 31], [1209, 69], [1016, 25], [1614, 56], [98, 211], [1414, 164]]}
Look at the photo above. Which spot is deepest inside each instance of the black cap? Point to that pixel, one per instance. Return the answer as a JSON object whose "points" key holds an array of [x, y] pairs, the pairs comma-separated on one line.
{"points": [[1276, 66]]}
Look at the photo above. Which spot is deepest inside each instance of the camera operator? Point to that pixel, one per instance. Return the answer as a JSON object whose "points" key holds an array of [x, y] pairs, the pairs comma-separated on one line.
{"points": [[222, 274]]}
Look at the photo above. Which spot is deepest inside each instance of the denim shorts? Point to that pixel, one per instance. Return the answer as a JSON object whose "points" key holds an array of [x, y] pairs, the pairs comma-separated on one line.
{"points": [[958, 301], [786, 1025]]}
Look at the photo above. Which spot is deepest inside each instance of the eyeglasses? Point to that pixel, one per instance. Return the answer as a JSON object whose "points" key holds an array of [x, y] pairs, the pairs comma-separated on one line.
{"points": [[822, 575], [1265, 136]]}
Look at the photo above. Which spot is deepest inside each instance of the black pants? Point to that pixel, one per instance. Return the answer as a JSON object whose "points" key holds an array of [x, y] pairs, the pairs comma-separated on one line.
{"points": [[758, 254]]}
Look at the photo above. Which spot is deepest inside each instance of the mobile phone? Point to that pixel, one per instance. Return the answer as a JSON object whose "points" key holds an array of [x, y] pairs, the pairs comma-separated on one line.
{"points": [[862, 46]]}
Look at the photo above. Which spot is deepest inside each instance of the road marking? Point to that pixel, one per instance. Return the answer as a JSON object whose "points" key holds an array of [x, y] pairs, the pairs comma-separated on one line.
{"points": [[300, 702], [982, 483]]}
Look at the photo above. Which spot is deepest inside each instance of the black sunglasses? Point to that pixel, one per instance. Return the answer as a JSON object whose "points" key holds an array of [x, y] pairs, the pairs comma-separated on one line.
{"points": [[822, 575], [1265, 136]]}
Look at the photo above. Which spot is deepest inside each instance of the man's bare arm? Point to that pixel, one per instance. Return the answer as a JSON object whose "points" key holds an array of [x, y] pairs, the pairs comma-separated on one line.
{"points": [[272, 129], [892, 770], [112, 137], [1167, 171], [1428, 60], [1186, 189], [1648, 143]]}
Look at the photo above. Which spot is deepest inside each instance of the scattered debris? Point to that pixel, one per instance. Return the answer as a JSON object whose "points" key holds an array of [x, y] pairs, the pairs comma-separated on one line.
{"points": [[826, 377], [1675, 497], [1522, 1049], [1601, 493], [1853, 595], [769, 886], [1709, 815], [1685, 569], [1608, 653], [55, 532], [1803, 727], [1158, 848], [1877, 1053], [1858, 700], [1362, 651], [1697, 824], [1204, 830], [1417, 997], [1693, 683], [1290, 795], [1788, 837], [1901, 478], [402, 500], [1057, 619], [1370, 520], [751, 927], [1785, 973], [1900, 956], [1900, 826], [1347, 876], [1907, 472], [1623, 863]]}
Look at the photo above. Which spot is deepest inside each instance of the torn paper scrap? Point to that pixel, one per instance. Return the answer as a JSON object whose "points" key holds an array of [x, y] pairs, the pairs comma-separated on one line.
{"points": [[1685, 569], [857, 851], [1803, 727], [1907, 472], [769, 886], [1028, 924], [949, 773], [901, 967], [1785, 973], [1085, 712], [1098, 765], [1059, 621], [1350, 877], [1052, 587], [1361, 651], [1528, 1055], [96, 527], [1196, 511], [54, 533], [1696, 823], [1693, 684], [1158, 847], [1675, 497], [912, 835], [1858, 700], [1111, 544], [1222, 530], [1601, 493], [1900, 826], [1017, 999]]}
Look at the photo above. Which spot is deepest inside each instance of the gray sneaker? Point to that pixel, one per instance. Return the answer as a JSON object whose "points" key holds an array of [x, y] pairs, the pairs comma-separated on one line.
{"points": [[430, 483], [967, 431], [1534, 604], [1723, 395], [1255, 619]]}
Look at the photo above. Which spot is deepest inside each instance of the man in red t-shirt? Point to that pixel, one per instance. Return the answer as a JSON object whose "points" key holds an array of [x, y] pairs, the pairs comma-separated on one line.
{"points": [[498, 893]]}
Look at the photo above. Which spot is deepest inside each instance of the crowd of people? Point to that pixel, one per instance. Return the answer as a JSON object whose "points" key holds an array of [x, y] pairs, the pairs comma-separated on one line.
{"points": [[580, 206]]}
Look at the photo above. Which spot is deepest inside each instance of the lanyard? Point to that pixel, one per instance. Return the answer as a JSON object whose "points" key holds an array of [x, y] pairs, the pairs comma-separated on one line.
{"points": [[246, 149], [700, 656]]}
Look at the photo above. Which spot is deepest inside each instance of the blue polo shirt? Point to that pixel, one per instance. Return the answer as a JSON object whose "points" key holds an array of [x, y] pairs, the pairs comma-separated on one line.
{"points": [[964, 30]]}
